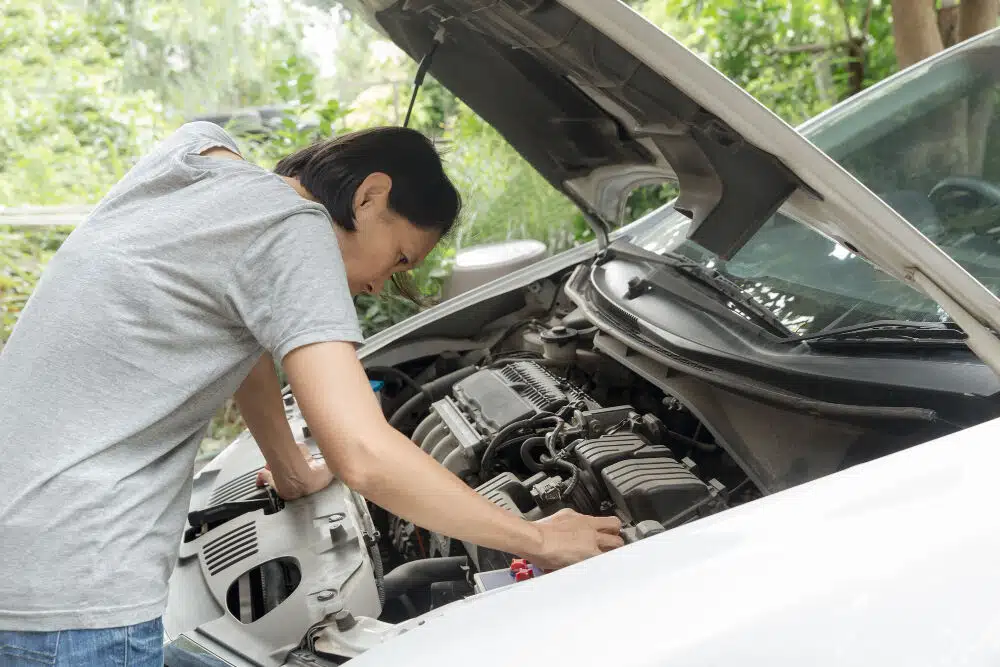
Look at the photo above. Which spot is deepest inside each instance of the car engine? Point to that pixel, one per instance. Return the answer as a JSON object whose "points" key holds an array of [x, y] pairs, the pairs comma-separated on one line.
{"points": [[534, 444], [543, 424]]}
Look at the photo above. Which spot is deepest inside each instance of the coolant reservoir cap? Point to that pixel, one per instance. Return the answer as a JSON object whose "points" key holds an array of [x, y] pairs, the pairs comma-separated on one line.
{"points": [[559, 334]]}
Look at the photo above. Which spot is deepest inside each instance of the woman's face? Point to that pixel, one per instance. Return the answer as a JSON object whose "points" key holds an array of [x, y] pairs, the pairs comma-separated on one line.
{"points": [[383, 242]]}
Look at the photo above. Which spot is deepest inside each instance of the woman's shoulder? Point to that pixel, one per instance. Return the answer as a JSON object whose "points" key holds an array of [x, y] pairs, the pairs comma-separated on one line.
{"points": [[202, 135]]}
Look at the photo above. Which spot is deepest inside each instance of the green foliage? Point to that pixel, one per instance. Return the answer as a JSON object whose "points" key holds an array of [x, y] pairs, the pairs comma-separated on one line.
{"points": [[792, 56], [648, 198], [65, 111], [304, 119], [503, 196], [202, 56]]}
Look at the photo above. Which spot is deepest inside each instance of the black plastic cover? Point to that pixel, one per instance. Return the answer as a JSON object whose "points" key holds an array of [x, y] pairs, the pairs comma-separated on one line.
{"points": [[658, 489], [508, 492], [494, 398], [595, 455]]}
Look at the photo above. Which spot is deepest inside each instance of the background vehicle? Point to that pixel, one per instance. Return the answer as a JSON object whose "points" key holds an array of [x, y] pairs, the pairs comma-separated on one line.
{"points": [[713, 353]]}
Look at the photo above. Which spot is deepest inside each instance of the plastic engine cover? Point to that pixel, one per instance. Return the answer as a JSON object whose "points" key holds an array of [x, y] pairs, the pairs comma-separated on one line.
{"points": [[659, 488], [496, 397], [597, 454], [255, 583]]}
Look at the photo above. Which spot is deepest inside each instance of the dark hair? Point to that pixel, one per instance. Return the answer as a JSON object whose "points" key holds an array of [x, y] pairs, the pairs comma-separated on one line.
{"points": [[332, 170]]}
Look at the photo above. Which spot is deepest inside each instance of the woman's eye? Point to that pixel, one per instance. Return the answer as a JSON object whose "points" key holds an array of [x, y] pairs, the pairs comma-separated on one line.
{"points": [[404, 260]]}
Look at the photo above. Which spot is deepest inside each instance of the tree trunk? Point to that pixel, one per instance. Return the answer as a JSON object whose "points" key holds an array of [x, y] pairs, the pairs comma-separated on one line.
{"points": [[915, 28], [977, 16], [948, 22]]}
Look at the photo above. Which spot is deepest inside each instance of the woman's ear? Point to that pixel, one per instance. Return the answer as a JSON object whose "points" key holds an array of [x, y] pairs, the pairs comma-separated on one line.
{"points": [[374, 190]]}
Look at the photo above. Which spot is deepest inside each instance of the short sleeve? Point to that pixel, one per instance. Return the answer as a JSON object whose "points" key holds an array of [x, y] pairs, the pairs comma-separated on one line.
{"points": [[200, 135], [290, 287]]}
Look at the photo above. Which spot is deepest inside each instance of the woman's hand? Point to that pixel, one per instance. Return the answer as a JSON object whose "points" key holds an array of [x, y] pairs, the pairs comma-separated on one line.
{"points": [[317, 477], [569, 537]]}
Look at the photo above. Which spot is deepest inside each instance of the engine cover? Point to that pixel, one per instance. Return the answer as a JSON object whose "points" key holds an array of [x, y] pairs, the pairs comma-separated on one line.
{"points": [[660, 489], [259, 579]]}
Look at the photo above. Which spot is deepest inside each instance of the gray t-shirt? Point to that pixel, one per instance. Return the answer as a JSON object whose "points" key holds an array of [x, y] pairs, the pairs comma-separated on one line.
{"points": [[150, 315]]}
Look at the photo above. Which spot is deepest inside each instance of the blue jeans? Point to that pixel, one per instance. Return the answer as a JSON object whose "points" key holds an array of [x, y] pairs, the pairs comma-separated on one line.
{"points": [[138, 645]]}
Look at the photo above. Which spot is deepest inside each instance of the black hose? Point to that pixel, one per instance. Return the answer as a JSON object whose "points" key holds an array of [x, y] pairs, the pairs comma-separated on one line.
{"points": [[526, 447], [412, 405], [430, 392], [540, 419], [398, 374], [424, 572], [691, 442], [510, 330]]}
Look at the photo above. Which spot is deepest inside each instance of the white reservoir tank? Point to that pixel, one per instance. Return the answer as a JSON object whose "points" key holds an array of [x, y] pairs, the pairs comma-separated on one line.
{"points": [[478, 265]]}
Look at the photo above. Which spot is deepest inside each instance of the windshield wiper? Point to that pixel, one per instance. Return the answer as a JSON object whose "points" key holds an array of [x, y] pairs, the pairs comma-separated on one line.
{"points": [[892, 331], [718, 282]]}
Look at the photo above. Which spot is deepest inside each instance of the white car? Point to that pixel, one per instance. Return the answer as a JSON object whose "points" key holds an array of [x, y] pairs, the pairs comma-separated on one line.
{"points": [[785, 383]]}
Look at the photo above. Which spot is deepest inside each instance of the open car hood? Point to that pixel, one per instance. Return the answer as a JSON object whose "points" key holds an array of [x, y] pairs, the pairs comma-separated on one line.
{"points": [[601, 101]]}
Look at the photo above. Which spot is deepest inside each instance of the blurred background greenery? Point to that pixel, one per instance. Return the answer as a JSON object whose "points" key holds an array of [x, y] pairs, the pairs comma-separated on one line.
{"points": [[90, 85]]}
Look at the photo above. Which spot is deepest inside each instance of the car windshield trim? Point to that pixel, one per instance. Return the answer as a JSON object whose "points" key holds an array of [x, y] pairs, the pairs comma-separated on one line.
{"points": [[892, 329], [704, 275]]}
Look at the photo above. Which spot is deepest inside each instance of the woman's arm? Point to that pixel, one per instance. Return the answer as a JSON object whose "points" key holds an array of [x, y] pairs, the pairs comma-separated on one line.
{"points": [[381, 464], [259, 399]]}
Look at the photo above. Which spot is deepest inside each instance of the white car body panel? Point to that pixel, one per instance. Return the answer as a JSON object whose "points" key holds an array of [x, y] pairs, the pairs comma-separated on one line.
{"points": [[889, 563]]}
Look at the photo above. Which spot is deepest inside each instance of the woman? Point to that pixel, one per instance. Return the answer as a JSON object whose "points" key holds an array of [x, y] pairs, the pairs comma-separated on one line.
{"points": [[190, 278]]}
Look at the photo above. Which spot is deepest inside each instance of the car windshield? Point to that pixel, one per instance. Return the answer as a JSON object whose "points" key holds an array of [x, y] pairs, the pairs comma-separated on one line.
{"points": [[928, 143]]}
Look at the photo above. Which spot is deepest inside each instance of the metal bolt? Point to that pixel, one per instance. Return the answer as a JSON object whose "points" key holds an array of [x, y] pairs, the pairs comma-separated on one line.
{"points": [[345, 620]]}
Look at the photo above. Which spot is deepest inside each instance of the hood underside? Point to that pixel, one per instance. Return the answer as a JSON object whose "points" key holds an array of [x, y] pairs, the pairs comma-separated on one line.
{"points": [[592, 118], [600, 101]]}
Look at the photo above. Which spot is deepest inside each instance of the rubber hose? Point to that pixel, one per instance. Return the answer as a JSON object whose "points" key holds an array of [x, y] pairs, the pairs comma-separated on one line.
{"points": [[424, 572], [526, 447], [414, 404], [396, 373], [430, 392], [425, 427], [540, 419]]}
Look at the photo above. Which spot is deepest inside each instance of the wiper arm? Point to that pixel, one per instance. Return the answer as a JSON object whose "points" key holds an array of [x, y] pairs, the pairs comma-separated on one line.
{"points": [[941, 333], [704, 275]]}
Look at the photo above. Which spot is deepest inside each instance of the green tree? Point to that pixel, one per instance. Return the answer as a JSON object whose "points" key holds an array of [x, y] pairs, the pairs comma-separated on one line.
{"points": [[203, 56], [68, 128]]}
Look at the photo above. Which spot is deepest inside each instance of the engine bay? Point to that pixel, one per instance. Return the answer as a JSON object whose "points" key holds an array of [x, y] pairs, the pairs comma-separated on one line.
{"points": [[540, 411], [536, 421], [533, 442]]}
